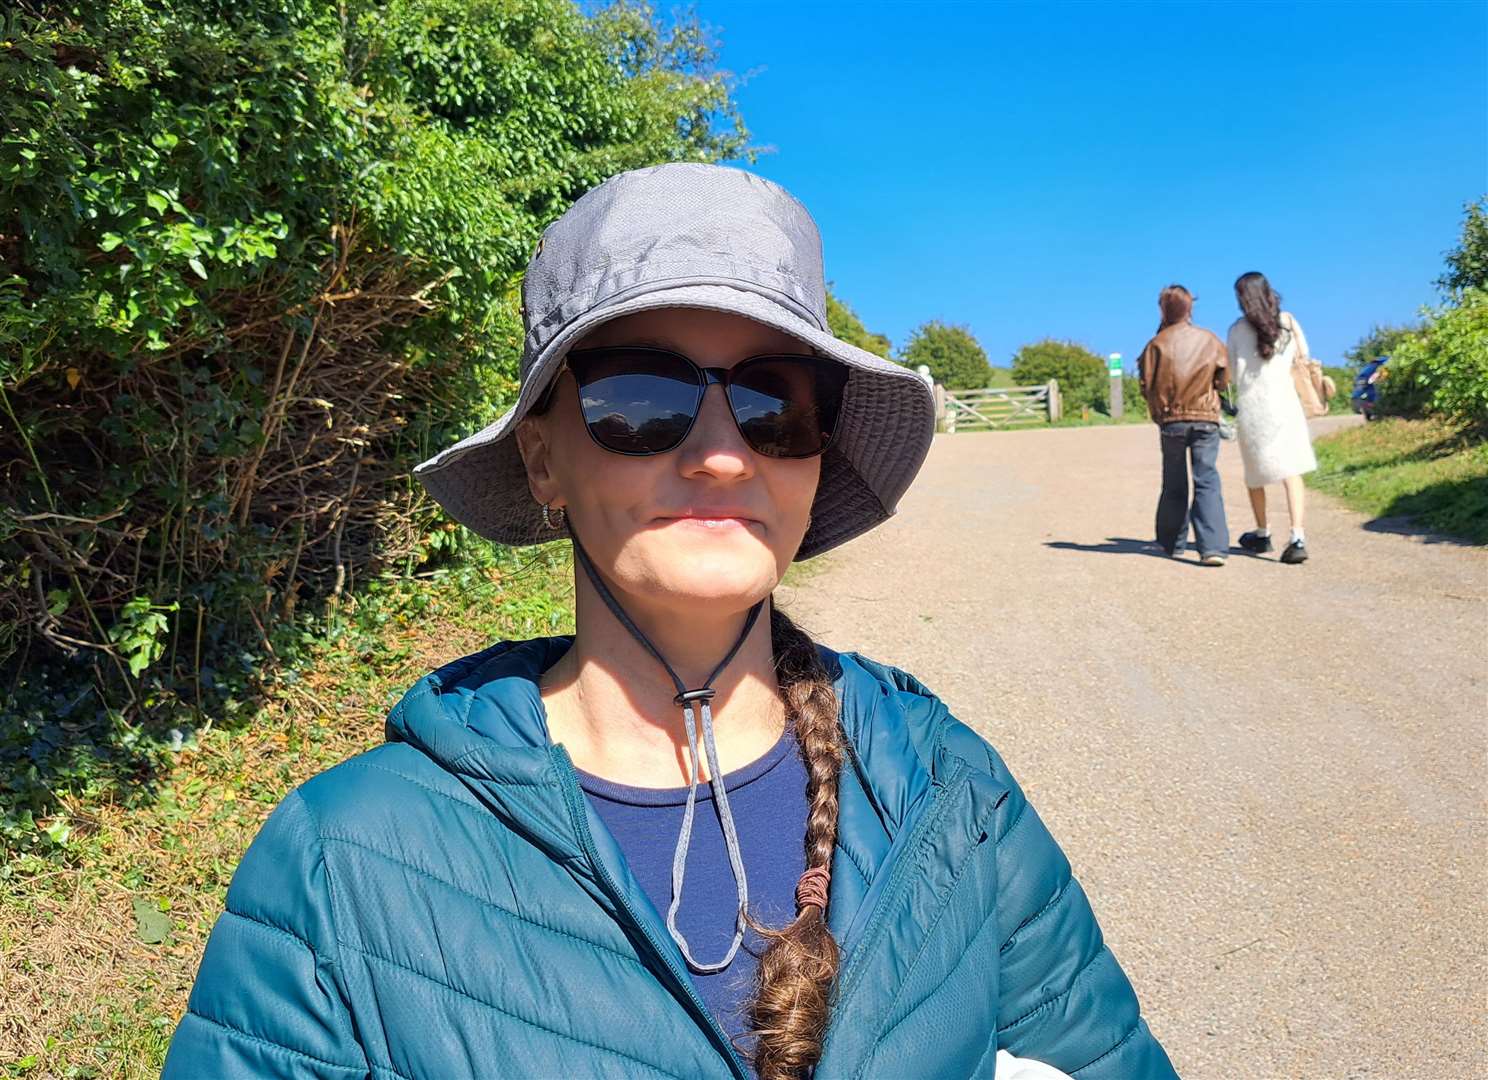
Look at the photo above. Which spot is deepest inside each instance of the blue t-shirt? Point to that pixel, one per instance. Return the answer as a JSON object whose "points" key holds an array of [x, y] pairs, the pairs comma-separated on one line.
{"points": [[768, 800]]}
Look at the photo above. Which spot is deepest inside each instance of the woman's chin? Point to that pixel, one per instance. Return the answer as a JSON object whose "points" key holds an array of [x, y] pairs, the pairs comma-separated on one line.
{"points": [[697, 564], [737, 590]]}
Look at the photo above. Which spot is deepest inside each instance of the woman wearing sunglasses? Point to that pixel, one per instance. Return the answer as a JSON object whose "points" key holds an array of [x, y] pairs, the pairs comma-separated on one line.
{"points": [[688, 841]]}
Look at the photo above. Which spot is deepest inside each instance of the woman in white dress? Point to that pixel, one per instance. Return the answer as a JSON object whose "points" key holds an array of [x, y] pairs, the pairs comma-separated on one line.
{"points": [[1274, 441]]}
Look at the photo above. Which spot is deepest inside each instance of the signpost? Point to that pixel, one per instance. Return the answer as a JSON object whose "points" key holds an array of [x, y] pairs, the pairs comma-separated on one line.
{"points": [[1114, 369]]}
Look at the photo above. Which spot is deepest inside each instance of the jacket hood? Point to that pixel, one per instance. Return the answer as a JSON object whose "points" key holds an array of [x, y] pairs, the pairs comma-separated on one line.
{"points": [[482, 715]]}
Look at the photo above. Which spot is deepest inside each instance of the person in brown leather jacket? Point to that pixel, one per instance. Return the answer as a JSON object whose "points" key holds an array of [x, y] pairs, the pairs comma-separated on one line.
{"points": [[1183, 371]]}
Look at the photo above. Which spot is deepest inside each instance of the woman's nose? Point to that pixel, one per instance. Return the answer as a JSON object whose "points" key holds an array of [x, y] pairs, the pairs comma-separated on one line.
{"points": [[714, 445]]}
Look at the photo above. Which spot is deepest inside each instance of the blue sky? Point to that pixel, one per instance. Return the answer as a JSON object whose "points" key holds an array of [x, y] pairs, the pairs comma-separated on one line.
{"points": [[1038, 170]]}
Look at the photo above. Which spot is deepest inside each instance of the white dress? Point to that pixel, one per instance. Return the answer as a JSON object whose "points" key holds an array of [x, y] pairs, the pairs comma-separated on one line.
{"points": [[1272, 429]]}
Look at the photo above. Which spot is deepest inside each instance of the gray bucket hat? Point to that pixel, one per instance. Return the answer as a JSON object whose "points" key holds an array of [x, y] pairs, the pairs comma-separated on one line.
{"points": [[693, 236]]}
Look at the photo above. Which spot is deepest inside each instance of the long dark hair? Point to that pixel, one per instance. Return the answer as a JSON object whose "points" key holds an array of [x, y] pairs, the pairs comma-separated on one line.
{"points": [[1261, 306]]}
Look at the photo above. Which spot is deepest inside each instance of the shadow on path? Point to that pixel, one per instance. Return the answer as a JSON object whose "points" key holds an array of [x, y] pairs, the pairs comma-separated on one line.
{"points": [[1449, 512], [1405, 525], [1122, 545]]}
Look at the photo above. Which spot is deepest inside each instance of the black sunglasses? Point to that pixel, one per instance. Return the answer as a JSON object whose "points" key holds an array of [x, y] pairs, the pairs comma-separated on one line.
{"points": [[638, 400]]}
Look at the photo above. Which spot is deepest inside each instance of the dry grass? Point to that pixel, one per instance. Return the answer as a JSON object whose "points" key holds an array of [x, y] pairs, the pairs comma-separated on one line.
{"points": [[81, 993]]}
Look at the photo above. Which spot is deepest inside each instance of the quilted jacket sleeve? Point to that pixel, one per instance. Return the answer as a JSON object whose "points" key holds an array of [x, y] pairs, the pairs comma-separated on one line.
{"points": [[1064, 999], [267, 1003]]}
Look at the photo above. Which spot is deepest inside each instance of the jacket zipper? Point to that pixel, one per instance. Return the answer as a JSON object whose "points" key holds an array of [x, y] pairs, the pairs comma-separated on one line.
{"points": [[574, 797], [898, 876]]}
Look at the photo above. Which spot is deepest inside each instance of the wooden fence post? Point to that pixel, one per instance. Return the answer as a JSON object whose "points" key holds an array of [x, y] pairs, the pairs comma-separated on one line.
{"points": [[940, 407], [1056, 406]]}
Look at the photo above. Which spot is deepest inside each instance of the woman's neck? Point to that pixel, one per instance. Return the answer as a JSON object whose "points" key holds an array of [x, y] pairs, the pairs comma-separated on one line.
{"points": [[611, 704]]}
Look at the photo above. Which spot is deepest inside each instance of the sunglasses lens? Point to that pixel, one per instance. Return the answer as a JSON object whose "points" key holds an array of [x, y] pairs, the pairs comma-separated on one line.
{"points": [[636, 401], [787, 406]]}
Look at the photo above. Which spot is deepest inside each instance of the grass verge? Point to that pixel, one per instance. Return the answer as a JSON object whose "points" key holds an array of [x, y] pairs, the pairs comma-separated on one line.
{"points": [[1416, 475], [99, 944], [1092, 418]]}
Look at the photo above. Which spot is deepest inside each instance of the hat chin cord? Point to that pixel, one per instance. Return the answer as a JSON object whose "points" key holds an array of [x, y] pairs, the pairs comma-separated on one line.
{"points": [[701, 698]]}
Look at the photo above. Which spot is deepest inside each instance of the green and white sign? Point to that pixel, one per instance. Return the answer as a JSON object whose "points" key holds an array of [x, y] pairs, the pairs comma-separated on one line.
{"points": [[1115, 364]]}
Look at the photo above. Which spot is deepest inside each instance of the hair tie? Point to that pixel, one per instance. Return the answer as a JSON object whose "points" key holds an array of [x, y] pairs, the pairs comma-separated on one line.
{"points": [[812, 888]]}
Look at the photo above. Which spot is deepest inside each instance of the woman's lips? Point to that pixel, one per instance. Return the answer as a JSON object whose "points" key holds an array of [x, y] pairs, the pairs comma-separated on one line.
{"points": [[710, 520]]}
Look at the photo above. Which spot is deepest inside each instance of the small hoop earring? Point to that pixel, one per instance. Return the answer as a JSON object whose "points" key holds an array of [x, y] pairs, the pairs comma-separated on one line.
{"points": [[554, 517]]}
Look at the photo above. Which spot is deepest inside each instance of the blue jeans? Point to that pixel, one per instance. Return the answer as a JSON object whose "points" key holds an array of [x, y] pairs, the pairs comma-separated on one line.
{"points": [[1200, 440]]}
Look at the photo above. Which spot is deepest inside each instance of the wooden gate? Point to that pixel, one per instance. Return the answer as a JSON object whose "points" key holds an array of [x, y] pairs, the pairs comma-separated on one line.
{"points": [[999, 407]]}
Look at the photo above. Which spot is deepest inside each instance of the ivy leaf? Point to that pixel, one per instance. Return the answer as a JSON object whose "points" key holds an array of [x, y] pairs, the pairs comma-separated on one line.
{"points": [[152, 926], [196, 265], [157, 202]]}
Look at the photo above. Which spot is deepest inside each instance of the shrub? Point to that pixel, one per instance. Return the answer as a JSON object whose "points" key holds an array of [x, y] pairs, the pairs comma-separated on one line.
{"points": [[1132, 401], [1444, 369], [1081, 373], [1402, 392], [255, 260], [1343, 378], [1380, 341], [845, 324], [955, 358], [1441, 366]]}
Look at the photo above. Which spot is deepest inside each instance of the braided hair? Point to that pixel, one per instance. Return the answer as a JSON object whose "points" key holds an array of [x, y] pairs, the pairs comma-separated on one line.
{"points": [[797, 973]]}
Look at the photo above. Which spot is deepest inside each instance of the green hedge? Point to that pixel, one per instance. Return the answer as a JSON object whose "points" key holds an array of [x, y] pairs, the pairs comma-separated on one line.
{"points": [[1443, 369], [256, 258], [1441, 366], [1083, 378]]}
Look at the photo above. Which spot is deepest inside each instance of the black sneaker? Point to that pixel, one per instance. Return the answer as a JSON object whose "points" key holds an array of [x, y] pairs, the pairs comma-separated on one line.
{"points": [[1256, 543], [1295, 552]]}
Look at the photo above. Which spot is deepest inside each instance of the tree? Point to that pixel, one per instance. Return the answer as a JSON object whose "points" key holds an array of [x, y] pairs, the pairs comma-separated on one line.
{"points": [[1444, 368], [845, 324], [1467, 263], [1380, 341], [1441, 366], [955, 358], [256, 258], [1081, 373]]}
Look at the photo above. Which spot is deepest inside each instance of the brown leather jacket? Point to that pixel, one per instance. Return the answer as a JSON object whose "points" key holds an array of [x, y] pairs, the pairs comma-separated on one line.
{"points": [[1183, 370]]}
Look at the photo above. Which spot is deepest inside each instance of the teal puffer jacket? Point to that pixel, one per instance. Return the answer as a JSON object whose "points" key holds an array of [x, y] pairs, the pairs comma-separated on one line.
{"points": [[448, 906]]}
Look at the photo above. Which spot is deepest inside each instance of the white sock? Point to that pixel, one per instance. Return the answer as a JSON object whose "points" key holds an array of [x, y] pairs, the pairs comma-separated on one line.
{"points": [[1263, 532], [1297, 537]]}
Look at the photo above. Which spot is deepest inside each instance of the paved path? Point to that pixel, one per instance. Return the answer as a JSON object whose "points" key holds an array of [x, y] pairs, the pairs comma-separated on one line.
{"points": [[1270, 779]]}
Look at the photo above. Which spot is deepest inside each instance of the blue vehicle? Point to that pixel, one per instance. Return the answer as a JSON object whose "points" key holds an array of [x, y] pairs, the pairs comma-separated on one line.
{"points": [[1365, 395]]}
